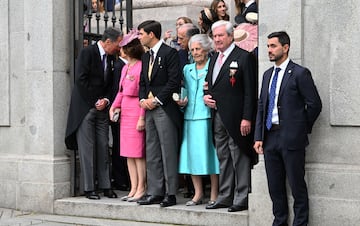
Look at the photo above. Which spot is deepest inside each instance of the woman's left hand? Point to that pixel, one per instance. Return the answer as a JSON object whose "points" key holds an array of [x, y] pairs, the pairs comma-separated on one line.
{"points": [[140, 126]]}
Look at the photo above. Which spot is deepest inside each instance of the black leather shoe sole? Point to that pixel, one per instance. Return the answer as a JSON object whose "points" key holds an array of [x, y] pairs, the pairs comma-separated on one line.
{"points": [[91, 195], [216, 206], [150, 199], [235, 208], [168, 201]]}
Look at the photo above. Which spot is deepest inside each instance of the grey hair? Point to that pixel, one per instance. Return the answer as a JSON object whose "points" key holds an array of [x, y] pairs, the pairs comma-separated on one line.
{"points": [[205, 41], [228, 26], [111, 33], [190, 29]]}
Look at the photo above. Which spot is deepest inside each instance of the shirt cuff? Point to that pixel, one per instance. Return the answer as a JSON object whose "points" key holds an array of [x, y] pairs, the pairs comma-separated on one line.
{"points": [[108, 101], [157, 99]]}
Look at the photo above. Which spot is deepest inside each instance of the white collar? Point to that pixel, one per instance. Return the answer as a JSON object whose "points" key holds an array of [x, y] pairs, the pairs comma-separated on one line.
{"points": [[283, 65], [156, 47], [101, 49], [228, 50]]}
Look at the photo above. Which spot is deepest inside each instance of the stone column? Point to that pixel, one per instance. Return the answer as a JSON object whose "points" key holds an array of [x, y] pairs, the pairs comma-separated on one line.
{"points": [[325, 41], [33, 166]]}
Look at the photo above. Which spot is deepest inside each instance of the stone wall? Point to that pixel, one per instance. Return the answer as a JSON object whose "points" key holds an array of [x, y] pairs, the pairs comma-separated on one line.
{"points": [[35, 91], [34, 169], [324, 41]]}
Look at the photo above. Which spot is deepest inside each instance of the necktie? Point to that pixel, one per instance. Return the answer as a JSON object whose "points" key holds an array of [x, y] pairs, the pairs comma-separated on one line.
{"points": [[151, 63], [217, 67], [103, 61], [272, 94], [221, 58], [151, 56]]}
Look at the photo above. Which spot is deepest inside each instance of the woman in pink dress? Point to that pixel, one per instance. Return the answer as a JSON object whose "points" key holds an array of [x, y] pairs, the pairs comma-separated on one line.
{"points": [[132, 117]]}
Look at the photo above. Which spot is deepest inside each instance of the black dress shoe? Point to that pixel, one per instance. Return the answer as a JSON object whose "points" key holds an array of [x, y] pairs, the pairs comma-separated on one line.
{"points": [[110, 193], [235, 208], [216, 205], [188, 194], [91, 195], [150, 199], [121, 187], [169, 200]]}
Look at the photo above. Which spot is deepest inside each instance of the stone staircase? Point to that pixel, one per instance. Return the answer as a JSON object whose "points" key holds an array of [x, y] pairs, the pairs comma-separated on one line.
{"points": [[176, 215]]}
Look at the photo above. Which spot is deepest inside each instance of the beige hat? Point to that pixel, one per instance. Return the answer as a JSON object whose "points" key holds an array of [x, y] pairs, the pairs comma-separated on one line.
{"points": [[252, 17], [239, 35], [208, 14]]}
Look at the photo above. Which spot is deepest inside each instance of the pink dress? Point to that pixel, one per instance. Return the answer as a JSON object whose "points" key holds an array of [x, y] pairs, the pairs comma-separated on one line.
{"points": [[132, 141]]}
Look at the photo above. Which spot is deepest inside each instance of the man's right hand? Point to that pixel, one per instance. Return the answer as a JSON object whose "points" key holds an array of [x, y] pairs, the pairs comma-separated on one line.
{"points": [[211, 103], [258, 147], [147, 104]]}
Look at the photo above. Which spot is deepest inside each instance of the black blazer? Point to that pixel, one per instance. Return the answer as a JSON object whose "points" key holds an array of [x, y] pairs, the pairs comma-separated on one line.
{"points": [[299, 105], [165, 80], [237, 102], [91, 84]]}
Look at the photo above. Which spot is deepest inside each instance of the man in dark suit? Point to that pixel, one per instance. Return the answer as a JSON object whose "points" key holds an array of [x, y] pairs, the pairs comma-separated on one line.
{"points": [[288, 106], [185, 32], [160, 78], [231, 95], [119, 171], [88, 124]]}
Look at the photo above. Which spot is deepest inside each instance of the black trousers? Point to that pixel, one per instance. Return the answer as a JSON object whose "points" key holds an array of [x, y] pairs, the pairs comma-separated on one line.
{"points": [[282, 164], [119, 171]]}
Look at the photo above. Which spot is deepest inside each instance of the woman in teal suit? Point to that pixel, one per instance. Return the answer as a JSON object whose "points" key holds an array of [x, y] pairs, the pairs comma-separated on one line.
{"points": [[197, 153]]}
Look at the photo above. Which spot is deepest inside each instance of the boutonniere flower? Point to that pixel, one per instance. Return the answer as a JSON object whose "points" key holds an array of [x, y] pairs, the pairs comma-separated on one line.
{"points": [[232, 72]]}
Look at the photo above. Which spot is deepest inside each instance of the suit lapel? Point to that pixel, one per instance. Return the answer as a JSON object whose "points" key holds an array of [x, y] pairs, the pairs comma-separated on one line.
{"points": [[158, 61], [266, 84], [146, 64], [287, 75], [156, 64], [224, 70], [211, 69], [96, 52]]}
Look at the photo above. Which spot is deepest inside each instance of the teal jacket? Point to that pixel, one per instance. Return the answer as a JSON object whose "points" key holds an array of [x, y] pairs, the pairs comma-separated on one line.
{"points": [[193, 83]]}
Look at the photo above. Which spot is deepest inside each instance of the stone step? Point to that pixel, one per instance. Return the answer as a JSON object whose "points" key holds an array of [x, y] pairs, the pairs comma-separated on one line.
{"points": [[178, 214]]}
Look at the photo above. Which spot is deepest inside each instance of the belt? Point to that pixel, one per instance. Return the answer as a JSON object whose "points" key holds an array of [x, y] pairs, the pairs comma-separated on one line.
{"points": [[275, 127]]}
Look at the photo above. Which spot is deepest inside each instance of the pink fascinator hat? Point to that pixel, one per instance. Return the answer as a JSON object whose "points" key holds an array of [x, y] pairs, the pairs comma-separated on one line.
{"points": [[133, 34]]}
